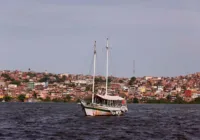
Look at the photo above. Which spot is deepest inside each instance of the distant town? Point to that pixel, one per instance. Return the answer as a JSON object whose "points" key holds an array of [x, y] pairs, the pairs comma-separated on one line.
{"points": [[30, 86]]}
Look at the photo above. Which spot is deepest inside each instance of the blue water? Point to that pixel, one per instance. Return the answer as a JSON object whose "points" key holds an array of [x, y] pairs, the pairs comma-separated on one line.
{"points": [[67, 121]]}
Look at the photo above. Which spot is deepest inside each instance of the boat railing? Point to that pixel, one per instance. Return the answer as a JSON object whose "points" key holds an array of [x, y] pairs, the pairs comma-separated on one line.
{"points": [[106, 105]]}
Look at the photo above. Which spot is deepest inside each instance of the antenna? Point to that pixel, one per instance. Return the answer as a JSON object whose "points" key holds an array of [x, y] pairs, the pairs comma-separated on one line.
{"points": [[133, 67]]}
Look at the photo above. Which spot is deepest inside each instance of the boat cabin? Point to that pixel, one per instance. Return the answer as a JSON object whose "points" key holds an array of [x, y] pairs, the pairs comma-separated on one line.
{"points": [[111, 101]]}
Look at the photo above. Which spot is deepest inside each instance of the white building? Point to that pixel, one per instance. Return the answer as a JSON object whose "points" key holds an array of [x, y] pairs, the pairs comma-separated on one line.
{"points": [[40, 83], [2, 83], [79, 82], [148, 77], [12, 86]]}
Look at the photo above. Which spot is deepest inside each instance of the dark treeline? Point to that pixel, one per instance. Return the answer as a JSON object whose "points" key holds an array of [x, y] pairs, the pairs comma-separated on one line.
{"points": [[178, 100]]}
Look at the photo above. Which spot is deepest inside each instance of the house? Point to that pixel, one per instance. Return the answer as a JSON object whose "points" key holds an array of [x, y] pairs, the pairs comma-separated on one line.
{"points": [[2, 84], [148, 77], [195, 95], [125, 88], [142, 89], [115, 86], [12, 86], [188, 93], [80, 82], [39, 87]]}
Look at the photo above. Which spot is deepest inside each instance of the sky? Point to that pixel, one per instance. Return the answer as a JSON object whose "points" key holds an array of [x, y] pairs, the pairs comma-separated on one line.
{"points": [[162, 36]]}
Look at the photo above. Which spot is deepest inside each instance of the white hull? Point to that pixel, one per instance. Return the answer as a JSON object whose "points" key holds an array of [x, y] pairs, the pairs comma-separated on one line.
{"points": [[95, 110]]}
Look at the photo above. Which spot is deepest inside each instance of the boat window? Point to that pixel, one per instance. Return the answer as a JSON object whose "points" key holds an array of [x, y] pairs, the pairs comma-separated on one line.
{"points": [[111, 103]]}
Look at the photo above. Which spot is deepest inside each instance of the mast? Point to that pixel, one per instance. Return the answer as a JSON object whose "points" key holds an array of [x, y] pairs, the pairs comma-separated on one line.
{"points": [[95, 54], [107, 50]]}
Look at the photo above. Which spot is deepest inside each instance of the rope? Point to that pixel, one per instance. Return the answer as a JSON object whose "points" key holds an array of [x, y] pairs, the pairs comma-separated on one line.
{"points": [[91, 67], [112, 66]]}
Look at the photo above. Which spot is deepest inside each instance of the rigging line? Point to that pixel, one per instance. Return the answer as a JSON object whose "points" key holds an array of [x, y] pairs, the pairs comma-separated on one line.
{"points": [[91, 66], [112, 66], [103, 65], [97, 65]]}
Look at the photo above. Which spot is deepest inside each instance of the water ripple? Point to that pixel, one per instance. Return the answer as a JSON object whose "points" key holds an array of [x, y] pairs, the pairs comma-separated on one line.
{"points": [[67, 121]]}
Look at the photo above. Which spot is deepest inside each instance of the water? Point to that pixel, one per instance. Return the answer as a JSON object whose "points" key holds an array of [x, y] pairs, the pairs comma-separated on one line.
{"points": [[67, 121]]}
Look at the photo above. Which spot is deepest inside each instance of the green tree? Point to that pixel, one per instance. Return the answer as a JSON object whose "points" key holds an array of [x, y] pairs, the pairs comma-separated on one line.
{"points": [[67, 98], [78, 100], [21, 97], [132, 80], [197, 100], [44, 79], [163, 101], [48, 99], [31, 74], [88, 88], [7, 77], [169, 98], [184, 87], [98, 80], [179, 100], [72, 85], [7, 98], [159, 83], [60, 79], [35, 95], [26, 81], [135, 100], [149, 83], [152, 101], [109, 80], [18, 83], [57, 100], [64, 77]]}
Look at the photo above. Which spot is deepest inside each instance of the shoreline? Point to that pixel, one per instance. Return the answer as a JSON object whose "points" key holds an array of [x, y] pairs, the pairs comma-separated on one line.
{"points": [[127, 103]]}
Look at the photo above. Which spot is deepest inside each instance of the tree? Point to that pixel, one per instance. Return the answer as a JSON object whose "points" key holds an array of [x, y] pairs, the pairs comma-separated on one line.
{"points": [[184, 87], [26, 81], [64, 77], [109, 80], [34, 95], [67, 98], [44, 79], [98, 80], [7, 98], [132, 80], [135, 100], [48, 99], [159, 83], [60, 80], [71, 85], [7, 77], [88, 88], [149, 83], [197, 100], [18, 83], [56, 100], [179, 100], [163, 101], [21, 97], [78, 100], [169, 98], [31, 74]]}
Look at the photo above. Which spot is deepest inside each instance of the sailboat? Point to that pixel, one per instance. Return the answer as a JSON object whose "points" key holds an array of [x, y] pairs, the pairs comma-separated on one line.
{"points": [[104, 104]]}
